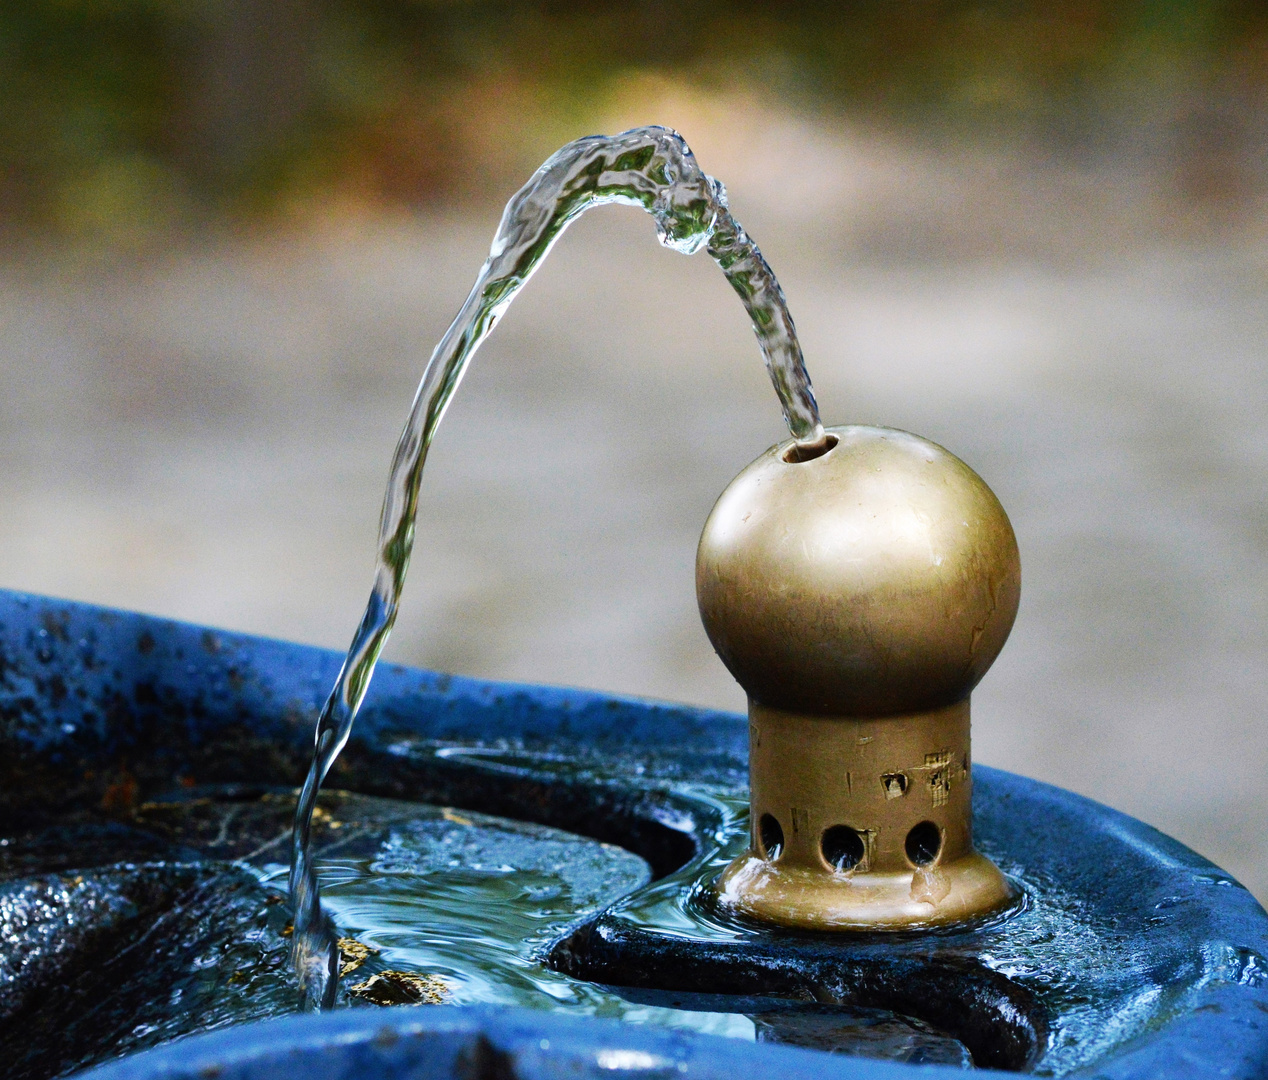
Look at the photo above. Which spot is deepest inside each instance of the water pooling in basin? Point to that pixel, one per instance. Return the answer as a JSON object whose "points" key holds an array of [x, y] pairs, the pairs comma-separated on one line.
{"points": [[148, 930], [651, 168], [1082, 977], [473, 904]]}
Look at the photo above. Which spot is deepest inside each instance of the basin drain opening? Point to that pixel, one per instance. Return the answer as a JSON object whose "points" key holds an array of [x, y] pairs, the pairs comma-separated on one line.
{"points": [[924, 842], [842, 847], [771, 837]]}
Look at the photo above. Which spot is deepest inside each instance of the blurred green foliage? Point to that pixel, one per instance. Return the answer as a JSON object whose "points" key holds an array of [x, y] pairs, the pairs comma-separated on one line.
{"points": [[138, 113]]}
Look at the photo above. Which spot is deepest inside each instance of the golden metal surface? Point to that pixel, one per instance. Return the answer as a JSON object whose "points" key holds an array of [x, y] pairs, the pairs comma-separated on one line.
{"points": [[859, 595]]}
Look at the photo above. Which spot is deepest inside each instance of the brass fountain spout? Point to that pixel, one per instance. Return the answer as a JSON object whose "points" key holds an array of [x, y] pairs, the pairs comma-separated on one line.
{"points": [[858, 590]]}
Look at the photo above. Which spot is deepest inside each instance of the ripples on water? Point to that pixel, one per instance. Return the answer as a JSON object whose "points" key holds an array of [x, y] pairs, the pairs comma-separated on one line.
{"points": [[477, 900]]}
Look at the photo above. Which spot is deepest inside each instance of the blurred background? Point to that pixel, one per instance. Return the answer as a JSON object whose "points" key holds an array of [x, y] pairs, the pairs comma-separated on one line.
{"points": [[232, 230]]}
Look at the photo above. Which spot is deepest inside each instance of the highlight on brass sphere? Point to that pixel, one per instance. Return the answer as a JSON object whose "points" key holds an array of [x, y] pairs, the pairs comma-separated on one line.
{"points": [[879, 577]]}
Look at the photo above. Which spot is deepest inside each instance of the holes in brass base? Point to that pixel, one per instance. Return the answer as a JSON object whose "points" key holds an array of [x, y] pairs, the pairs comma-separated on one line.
{"points": [[842, 847], [771, 836], [923, 843]]}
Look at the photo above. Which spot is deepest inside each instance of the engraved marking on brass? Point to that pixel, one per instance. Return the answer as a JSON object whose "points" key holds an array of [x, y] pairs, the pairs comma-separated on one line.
{"points": [[940, 789], [894, 783], [939, 778]]}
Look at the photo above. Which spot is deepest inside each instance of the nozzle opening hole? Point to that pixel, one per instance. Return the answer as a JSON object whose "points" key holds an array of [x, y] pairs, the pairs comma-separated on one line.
{"points": [[842, 847], [771, 836], [799, 452], [923, 843]]}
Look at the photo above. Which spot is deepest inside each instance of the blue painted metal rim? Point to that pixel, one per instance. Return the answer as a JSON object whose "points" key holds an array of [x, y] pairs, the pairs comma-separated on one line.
{"points": [[78, 680], [476, 1042]]}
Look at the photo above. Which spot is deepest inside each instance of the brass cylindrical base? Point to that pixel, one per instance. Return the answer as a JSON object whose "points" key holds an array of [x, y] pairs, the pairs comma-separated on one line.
{"points": [[862, 823]]}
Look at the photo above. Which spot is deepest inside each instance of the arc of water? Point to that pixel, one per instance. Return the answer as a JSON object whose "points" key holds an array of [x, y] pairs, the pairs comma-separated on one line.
{"points": [[648, 167]]}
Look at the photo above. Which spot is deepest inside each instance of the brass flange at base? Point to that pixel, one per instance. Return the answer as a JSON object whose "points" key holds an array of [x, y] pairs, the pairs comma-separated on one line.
{"points": [[862, 823], [943, 895]]}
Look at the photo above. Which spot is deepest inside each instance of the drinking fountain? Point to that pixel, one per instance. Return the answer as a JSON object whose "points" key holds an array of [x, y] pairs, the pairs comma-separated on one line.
{"points": [[527, 881], [149, 769]]}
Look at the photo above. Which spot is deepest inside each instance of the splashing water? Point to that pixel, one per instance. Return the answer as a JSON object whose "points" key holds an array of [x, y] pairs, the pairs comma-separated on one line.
{"points": [[648, 167]]}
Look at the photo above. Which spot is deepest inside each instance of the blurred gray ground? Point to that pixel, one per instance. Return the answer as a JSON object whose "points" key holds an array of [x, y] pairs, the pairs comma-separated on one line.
{"points": [[204, 433]]}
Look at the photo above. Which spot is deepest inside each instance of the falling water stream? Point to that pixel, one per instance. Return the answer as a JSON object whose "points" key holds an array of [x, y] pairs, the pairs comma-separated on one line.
{"points": [[648, 167]]}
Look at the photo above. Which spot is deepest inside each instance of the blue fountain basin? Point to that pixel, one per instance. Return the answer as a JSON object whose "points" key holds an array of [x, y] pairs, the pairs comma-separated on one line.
{"points": [[1134, 956]]}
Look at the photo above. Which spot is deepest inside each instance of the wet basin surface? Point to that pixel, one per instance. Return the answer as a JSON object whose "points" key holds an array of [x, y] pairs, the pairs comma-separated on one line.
{"points": [[527, 846]]}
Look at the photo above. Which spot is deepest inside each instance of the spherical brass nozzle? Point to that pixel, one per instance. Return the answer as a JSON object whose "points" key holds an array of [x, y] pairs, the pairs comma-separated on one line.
{"points": [[858, 591]]}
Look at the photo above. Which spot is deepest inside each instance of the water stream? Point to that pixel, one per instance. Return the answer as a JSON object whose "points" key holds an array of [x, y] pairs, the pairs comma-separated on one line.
{"points": [[651, 168]]}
